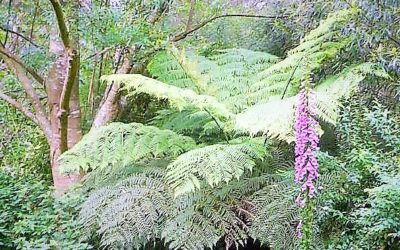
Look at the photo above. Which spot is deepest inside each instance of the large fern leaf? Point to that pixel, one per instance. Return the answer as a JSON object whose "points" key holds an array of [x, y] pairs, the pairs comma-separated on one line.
{"points": [[317, 48], [123, 144], [129, 214], [177, 97], [140, 208], [213, 164], [275, 118], [227, 75]]}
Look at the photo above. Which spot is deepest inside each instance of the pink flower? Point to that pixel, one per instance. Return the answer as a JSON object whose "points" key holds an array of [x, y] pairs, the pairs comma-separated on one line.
{"points": [[307, 140], [298, 230]]}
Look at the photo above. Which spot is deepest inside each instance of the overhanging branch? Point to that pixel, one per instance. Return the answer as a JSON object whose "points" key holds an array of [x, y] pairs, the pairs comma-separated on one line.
{"points": [[20, 35], [184, 34], [21, 74]]}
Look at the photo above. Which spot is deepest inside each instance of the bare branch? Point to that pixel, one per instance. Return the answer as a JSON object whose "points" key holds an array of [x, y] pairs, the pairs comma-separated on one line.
{"points": [[191, 13], [15, 59], [184, 34], [21, 74], [18, 106], [61, 22], [20, 35], [98, 53]]}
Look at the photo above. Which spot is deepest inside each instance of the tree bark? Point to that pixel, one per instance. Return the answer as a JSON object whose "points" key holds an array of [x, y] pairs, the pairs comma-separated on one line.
{"points": [[110, 105], [54, 88]]}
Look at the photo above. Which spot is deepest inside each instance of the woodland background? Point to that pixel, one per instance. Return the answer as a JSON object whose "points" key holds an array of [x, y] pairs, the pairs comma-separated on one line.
{"points": [[168, 124]]}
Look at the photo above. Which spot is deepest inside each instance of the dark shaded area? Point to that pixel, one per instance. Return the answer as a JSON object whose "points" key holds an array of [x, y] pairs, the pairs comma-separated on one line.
{"points": [[254, 245], [250, 245]]}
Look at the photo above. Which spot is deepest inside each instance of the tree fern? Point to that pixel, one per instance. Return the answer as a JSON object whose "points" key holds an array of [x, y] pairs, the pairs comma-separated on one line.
{"points": [[149, 184], [123, 144], [232, 80]]}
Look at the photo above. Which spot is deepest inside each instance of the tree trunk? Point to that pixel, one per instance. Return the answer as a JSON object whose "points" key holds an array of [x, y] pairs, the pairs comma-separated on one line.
{"points": [[54, 87], [110, 105]]}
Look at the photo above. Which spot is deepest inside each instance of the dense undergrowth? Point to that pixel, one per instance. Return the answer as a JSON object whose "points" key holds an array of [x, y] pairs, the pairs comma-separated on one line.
{"points": [[202, 155]]}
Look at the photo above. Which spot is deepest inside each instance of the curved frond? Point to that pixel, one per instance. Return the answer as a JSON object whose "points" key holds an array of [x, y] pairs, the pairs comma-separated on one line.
{"points": [[128, 214], [318, 47], [275, 118], [227, 75], [177, 97]]}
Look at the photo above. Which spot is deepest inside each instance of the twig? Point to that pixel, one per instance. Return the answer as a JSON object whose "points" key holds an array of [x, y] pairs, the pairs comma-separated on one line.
{"points": [[219, 126], [101, 52], [30, 70], [291, 78]]}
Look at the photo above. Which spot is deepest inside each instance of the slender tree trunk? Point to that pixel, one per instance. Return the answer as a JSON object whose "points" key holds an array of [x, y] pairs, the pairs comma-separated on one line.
{"points": [[54, 88]]}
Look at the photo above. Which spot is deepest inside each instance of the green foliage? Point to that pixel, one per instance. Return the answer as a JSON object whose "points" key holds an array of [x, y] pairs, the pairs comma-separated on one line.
{"points": [[142, 192], [127, 214], [177, 97], [254, 85], [361, 214], [123, 144], [30, 218], [264, 118], [213, 164], [23, 148], [380, 222], [318, 48], [195, 123], [141, 209]]}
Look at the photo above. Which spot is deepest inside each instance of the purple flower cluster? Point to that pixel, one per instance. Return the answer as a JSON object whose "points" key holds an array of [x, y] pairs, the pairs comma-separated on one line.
{"points": [[307, 140]]}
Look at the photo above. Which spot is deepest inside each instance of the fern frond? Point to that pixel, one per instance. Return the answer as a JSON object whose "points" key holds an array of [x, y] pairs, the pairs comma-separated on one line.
{"points": [[177, 97], [128, 214], [123, 144], [213, 164], [276, 117], [166, 68], [226, 75], [319, 46], [276, 213], [190, 122]]}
